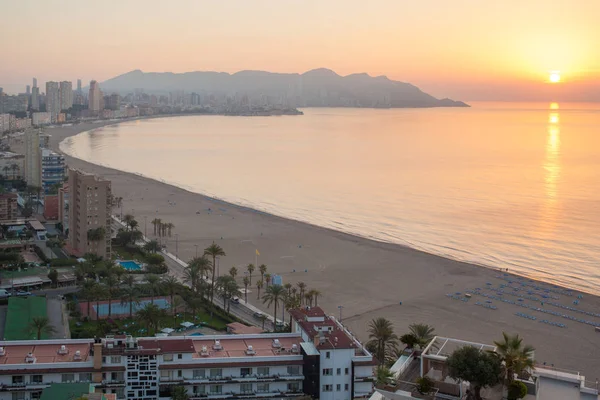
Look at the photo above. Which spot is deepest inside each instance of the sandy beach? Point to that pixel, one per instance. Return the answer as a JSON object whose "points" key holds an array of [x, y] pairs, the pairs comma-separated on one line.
{"points": [[368, 279]]}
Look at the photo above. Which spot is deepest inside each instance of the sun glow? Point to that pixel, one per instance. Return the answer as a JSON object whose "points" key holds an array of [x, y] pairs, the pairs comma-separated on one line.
{"points": [[554, 77]]}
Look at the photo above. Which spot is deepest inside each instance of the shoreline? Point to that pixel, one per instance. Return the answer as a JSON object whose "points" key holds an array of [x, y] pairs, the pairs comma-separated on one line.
{"points": [[404, 284]]}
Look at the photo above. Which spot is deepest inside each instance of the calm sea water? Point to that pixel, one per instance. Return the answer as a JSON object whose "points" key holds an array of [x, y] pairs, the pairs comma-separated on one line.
{"points": [[505, 185]]}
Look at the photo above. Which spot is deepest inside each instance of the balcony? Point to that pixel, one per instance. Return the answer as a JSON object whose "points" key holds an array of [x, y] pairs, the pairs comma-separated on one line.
{"points": [[364, 379], [16, 387], [243, 379], [245, 395]]}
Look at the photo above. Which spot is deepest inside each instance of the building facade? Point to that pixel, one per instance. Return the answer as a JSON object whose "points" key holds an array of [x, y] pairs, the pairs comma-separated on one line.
{"points": [[53, 169], [89, 210], [12, 165], [63, 207], [53, 105], [66, 95], [35, 98], [95, 97], [4, 123], [32, 167], [9, 209], [41, 118]]}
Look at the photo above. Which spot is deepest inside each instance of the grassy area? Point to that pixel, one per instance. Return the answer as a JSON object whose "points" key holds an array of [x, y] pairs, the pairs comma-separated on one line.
{"points": [[84, 329], [21, 311], [124, 254]]}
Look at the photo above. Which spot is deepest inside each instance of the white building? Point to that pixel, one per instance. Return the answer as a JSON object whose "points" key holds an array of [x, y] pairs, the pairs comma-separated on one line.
{"points": [[4, 123], [95, 96], [66, 95], [341, 368], [32, 158], [52, 169], [41, 118], [53, 104]]}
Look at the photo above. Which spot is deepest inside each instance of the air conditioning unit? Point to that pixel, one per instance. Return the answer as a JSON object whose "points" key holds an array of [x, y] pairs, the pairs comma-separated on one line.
{"points": [[294, 349], [217, 345], [204, 351], [29, 358], [276, 343], [2, 351], [250, 350], [77, 356], [63, 350]]}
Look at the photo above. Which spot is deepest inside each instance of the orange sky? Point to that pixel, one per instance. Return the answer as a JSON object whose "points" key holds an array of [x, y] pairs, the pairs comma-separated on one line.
{"points": [[464, 49]]}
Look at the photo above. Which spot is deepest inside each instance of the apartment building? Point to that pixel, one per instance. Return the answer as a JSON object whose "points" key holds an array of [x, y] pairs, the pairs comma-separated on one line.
{"points": [[342, 368], [250, 366], [53, 169], [89, 209], [63, 206], [8, 207]]}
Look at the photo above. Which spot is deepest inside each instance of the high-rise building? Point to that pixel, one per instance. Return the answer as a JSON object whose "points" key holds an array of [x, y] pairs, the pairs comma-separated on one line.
{"points": [[35, 98], [34, 82], [53, 105], [53, 169], [94, 97], [28, 90], [114, 101], [32, 158], [66, 95], [79, 85], [8, 206], [89, 214]]}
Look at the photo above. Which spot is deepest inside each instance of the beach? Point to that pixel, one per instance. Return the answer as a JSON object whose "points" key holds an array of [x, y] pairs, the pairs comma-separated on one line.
{"points": [[368, 279]]}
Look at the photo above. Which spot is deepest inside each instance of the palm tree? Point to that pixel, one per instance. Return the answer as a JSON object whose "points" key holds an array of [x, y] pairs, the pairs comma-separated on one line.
{"points": [[272, 295], [308, 299], [152, 246], [171, 284], [267, 279], [133, 225], [302, 287], [381, 338], [95, 235], [233, 271], [14, 168], [41, 325], [291, 302], [246, 282], [6, 169], [179, 393], [250, 269], [383, 376], [128, 218], [263, 270], [112, 287], [423, 332], [516, 356], [88, 292], [314, 294], [214, 251], [288, 287], [153, 282], [197, 268], [150, 316], [169, 227], [259, 286], [99, 294], [130, 294], [156, 223]]}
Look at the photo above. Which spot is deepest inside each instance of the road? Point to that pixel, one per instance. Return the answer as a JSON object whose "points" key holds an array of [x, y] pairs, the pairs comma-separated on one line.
{"points": [[244, 312]]}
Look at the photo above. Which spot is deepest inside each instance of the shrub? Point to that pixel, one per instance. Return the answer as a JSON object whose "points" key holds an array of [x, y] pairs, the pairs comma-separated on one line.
{"points": [[517, 390], [425, 385], [63, 262], [157, 269]]}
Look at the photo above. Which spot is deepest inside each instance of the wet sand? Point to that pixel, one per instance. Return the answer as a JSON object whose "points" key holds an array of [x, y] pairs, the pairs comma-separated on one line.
{"points": [[368, 279]]}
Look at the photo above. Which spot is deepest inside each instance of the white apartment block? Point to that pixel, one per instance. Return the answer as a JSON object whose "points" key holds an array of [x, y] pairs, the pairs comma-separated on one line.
{"points": [[41, 118], [53, 105], [66, 95]]}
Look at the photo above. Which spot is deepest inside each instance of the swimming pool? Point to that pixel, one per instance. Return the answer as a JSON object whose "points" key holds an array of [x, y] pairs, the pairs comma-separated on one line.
{"points": [[123, 309], [130, 265], [196, 334]]}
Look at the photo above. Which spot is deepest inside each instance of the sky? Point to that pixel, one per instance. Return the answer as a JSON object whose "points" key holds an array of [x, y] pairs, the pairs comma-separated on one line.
{"points": [[501, 50]]}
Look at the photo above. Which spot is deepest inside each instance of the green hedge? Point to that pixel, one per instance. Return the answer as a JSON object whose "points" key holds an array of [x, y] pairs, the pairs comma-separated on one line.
{"points": [[63, 262]]}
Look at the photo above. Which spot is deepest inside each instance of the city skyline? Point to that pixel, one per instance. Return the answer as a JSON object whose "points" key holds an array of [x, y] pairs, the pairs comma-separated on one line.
{"points": [[473, 51]]}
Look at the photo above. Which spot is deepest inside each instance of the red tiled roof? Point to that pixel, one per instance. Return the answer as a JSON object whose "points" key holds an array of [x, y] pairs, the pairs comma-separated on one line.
{"points": [[334, 339], [168, 346]]}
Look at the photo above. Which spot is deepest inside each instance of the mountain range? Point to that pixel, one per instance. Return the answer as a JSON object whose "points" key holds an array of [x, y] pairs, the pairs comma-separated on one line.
{"points": [[316, 88]]}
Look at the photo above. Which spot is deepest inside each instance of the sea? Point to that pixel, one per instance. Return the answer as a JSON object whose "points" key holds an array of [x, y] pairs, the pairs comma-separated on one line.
{"points": [[503, 185]]}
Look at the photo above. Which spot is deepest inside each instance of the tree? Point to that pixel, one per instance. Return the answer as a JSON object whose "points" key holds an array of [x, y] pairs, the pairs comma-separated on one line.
{"points": [[425, 385], [112, 288], [516, 390], [480, 368], [382, 338], [53, 276], [169, 226], [423, 332], [250, 269], [314, 294], [227, 288], [233, 271], [128, 219], [259, 285], [6, 168], [14, 168], [95, 235], [291, 302], [88, 292], [155, 259], [246, 283], [133, 225], [273, 294], [153, 282], [99, 294], [383, 376], [409, 340], [516, 356], [214, 251], [152, 246], [288, 287], [179, 393], [150, 316], [302, 287], [263, 270], [156, 223], [40, 326], [267, 278], [130, 294], [197, 268], [171, 284]]}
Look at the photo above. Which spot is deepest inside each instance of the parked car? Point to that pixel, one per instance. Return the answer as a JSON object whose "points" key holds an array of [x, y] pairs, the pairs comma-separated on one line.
{"points": [[258, 315], [23, 293], [4, 293], [236, 300]]}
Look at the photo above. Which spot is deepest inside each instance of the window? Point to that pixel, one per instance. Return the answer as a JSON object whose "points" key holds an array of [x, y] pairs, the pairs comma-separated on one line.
{"points": [[338, 371], [346, 371], [346, 387], [263, 371], [293, 387], [115, 359], [179, 356], [216, 389], [199, 389], [164, 374], [338, 387], [168, 357], [327, 371], [262, 387], [328, 388], [36, 395], [216, 373], [246, 388], [245, 371], [327, 354], [199, 373], [36, 379], [293, 370], [68, 378], [17, 379], [85, 376], [18, 396], [179, 373]]}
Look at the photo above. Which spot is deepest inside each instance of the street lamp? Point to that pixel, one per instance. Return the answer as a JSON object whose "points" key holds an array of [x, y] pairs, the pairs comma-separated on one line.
{"points": [[145, 225], [177, 246], [340, 307], [196, 246]]}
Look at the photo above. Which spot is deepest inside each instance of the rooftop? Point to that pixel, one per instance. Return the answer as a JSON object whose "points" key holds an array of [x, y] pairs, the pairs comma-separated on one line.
{"points": [[238, 347], [43, 353], [238, 328], [442, 347]]}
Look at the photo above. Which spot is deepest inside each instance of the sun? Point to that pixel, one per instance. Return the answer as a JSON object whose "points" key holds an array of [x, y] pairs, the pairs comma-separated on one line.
{"points": [[554, 77]]}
